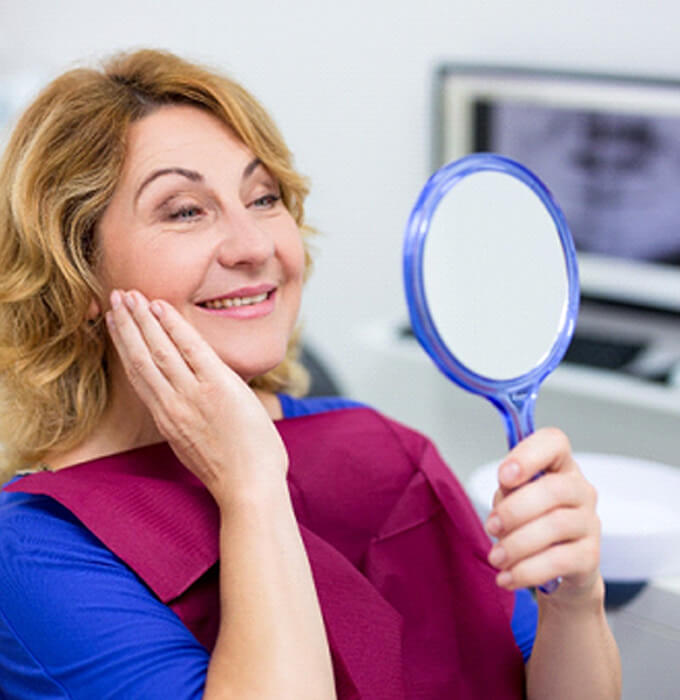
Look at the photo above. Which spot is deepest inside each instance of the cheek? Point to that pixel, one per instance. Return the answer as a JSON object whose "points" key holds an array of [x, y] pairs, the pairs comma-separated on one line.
{"points": [[125, 269], [156, 271], [296, 256]]}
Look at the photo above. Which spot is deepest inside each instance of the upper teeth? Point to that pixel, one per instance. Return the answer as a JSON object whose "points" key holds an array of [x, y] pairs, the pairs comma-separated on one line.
{"points": [[234, 301]]}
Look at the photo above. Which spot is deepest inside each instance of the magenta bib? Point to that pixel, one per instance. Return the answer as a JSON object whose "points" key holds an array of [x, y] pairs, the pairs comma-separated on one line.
{"points": [[397, 553]]}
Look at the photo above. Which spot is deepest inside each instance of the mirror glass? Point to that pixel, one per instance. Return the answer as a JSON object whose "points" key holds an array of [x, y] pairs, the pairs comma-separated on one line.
{"points": [[494, 274]]}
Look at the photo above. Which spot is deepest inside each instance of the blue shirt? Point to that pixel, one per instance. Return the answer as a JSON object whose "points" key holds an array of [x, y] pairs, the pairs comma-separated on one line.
{"points": [[76, 622]]}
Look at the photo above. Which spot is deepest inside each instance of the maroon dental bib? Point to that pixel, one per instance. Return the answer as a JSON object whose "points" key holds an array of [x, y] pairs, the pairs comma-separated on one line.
{"points": [[397, 553]]}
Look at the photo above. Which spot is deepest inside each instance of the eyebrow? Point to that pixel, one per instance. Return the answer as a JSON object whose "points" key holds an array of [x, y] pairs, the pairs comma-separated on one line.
{"points": [[189, 174], [192, 175], [250, 168]]}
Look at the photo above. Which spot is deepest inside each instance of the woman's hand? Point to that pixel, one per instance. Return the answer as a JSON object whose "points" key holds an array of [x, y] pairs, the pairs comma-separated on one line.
{"points": [[212, 420], [546, 527], [270, 619]]}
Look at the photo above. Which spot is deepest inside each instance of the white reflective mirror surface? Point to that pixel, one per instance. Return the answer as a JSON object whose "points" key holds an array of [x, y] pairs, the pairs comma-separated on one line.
{"points": [[495, 275]]}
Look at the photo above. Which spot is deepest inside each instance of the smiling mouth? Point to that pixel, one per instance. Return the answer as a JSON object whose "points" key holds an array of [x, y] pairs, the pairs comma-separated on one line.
{"points": [[236, 301]]}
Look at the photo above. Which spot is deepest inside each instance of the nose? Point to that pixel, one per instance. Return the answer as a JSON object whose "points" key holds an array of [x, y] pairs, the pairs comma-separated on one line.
{"points": [[244, 242]]}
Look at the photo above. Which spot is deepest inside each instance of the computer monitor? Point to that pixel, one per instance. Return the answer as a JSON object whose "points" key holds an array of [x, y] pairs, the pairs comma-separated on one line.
{"points": [[608, 147]]}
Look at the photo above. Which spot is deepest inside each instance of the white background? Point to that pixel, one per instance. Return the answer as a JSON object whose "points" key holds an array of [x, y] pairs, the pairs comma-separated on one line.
{"points": [[349, 84]]}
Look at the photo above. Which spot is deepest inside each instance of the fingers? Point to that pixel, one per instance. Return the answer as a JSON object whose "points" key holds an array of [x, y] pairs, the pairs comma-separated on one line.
{"points": [[195, 352], [543, 543], [156, 333], [548, 526], [154, 343], [161, 349], [579, 557], [547, 449], [143, 373], [539, 498]]}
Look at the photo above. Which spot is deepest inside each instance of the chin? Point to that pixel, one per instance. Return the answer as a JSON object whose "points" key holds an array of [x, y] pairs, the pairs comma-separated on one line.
{"points": [[250, 370], [252, 355]]}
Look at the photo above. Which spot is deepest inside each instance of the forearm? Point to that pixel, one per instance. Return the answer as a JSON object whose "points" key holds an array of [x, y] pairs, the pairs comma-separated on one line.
{"points": [[575, 655], [271, 641]]}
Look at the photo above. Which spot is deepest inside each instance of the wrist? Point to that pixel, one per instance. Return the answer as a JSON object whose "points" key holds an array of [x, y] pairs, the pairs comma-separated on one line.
{"points": [[266, 496], [571, 599]]}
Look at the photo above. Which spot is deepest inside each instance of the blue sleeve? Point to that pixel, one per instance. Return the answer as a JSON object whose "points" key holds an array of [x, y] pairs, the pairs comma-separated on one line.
{"points": [[75, 622], [524, 621]]}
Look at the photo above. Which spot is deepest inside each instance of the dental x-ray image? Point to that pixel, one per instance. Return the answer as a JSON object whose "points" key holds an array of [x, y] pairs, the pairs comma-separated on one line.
{"points": [[617, 176]]}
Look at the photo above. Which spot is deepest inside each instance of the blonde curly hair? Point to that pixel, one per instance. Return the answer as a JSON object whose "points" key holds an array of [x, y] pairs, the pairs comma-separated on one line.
{"points": [[57, 177]]}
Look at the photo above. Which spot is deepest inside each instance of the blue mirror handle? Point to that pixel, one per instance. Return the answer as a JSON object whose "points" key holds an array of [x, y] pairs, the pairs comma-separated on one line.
{"points": [[517, 410]]}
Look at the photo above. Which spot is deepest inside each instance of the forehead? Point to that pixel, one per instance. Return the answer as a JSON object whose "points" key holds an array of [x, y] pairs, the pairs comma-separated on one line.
{"points": [[180, 135]]}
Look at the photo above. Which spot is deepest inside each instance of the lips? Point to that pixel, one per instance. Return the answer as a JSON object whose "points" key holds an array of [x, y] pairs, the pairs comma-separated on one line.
{"points": [[243, 303], [246, 296]]}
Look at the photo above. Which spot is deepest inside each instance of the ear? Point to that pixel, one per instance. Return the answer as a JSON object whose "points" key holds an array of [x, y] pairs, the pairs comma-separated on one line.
{"points": [[93, 310]]}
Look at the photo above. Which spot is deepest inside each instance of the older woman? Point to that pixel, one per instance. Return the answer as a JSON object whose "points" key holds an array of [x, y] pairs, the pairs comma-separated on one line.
{"points": [[175, 522]]}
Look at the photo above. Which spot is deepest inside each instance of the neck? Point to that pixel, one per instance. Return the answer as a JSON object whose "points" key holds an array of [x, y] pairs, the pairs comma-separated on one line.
{"points": [[127, 424]]}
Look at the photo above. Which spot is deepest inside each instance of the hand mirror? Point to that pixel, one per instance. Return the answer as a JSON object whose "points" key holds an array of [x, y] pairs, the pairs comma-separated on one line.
{"points": [[492, 283]]}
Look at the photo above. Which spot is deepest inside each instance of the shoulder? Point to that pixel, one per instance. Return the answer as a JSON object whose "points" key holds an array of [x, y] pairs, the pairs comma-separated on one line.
{"points": [[61, 588], [34, 518], [41, 540]]}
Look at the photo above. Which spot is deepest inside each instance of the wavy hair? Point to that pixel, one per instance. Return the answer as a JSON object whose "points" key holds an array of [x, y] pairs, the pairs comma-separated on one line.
{"points": [[57, 176]]}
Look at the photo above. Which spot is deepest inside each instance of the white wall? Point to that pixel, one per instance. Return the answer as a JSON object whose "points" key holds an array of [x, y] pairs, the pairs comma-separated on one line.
{"points": [[348, 82]]}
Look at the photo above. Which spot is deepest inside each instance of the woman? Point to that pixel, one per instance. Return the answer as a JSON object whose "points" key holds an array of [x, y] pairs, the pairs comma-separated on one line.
{"points": [[185, 525]]}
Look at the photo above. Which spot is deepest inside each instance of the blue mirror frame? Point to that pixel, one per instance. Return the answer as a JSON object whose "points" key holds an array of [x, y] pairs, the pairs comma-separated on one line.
{"points": [[515, 398]]}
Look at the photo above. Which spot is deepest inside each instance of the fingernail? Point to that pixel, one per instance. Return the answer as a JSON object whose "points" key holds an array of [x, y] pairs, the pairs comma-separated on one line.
{"points": [[497, 556], [109, 319], [115, 299], [494, 526], [156, 308], [509, 471], [130, 301], [504, 578]]}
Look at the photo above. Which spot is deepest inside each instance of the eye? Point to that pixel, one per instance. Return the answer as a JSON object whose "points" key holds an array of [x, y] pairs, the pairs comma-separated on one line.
{"points": [[266, 202], [186, 212]]}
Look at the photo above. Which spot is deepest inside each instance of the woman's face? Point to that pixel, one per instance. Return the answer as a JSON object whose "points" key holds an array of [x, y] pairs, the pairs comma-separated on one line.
{"points": [[198, 221]]}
